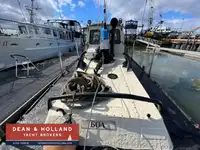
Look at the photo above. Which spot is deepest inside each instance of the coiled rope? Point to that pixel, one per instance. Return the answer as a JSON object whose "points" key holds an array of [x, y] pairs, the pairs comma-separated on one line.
{"points": [[83, 82]]}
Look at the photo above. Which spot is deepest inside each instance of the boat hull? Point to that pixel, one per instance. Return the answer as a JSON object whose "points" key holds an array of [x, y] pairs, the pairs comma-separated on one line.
{"points": [[119, 122], [36, 49]]}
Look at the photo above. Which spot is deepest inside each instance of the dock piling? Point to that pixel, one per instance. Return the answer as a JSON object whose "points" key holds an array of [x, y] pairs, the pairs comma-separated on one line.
{"points": [[178, 46], [188, 47]]}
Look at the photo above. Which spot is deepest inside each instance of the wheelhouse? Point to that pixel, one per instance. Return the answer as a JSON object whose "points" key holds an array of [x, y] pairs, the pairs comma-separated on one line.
{"points": [[93, 36]]}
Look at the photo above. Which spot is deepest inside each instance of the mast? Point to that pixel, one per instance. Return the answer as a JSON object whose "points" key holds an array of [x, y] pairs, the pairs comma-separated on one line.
{"points": [[104, 14], [31, 11]]}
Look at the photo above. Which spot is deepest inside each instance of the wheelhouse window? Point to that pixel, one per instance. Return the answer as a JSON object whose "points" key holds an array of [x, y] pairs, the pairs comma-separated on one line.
{"points": [[94, 37], [22, 30], [55, 33], [36, 30], [67, 37], [70, 35], [47, 31], [77, 34], [31, 31], [62, 35]]}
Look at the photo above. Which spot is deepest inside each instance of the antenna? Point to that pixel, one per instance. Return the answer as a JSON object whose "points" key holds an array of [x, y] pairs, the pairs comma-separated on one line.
{"points": [[161, 21]]}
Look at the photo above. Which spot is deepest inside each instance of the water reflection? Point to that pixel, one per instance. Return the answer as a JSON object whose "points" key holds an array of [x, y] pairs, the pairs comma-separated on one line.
{"points": [[178, 76]]}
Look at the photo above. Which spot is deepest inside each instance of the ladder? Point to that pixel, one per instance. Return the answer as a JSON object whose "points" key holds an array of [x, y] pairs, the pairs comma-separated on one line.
{"points": [[25, 62]]}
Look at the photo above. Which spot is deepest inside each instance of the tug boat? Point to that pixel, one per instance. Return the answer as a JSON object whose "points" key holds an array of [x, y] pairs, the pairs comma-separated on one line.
{"points": [[107, 100]]}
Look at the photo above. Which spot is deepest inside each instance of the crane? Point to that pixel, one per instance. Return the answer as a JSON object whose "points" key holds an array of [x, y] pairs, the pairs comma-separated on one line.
{"points": [[151, 13]]}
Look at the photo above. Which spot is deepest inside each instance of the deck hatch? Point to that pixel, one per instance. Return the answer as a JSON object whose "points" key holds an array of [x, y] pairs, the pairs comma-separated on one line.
{"points": [[112, 76]]}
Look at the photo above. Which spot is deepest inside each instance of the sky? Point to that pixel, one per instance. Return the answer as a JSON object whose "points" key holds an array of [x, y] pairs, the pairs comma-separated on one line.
{"points": [[177, 14]]}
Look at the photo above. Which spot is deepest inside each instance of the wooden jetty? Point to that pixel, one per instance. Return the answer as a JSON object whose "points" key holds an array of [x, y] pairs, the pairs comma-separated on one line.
{"points": [[151, 44]]}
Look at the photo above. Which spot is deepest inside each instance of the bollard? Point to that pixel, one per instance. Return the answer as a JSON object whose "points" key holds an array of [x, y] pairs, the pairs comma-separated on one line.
{"points": [[193, 47]]}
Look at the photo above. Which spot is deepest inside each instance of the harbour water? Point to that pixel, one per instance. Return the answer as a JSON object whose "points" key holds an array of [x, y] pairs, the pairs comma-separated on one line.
{"points": [[178, 76]]}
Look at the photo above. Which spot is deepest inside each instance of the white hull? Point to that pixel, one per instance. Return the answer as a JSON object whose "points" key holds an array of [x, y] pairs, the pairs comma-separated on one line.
{"points": [[35, 49], [129, 126]]}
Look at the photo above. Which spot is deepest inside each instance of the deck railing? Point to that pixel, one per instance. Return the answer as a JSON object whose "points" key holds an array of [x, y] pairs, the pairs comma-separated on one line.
{"points": [[150, 40]]}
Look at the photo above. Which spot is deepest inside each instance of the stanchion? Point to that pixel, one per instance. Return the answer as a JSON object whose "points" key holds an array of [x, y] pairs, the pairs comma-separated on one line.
{"points": [[61, 64]]}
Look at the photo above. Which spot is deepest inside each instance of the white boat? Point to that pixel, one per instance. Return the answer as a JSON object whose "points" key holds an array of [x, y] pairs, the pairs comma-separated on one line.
{"points": [[37, 41], [124, 117]]}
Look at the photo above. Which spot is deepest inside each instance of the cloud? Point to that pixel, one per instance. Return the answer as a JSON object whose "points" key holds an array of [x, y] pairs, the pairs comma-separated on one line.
{"points": [[16, 9], [133, 9], [64, 2], [72, 7], [81, 3], [72, 16]]}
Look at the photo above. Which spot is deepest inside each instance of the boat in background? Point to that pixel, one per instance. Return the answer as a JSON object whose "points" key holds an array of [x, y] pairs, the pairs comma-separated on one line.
{"points": [[37, 41]]}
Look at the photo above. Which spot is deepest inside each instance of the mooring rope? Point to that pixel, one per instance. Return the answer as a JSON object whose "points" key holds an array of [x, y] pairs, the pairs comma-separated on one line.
{"points": [[83, 82]]}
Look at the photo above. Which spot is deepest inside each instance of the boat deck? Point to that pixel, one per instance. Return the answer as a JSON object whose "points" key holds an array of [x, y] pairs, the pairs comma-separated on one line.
{"points": [[181, 140], [130, 128]]}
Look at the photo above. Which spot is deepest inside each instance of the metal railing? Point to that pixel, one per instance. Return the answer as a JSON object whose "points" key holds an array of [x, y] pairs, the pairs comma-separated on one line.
{"points": [[149, 40]]}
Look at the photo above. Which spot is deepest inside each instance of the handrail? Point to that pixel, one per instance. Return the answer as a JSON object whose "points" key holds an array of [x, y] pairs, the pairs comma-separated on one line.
{"points": [[13, 56], [18, 55], [12, 21], [36, 25], [158, 42], [105, 94]]}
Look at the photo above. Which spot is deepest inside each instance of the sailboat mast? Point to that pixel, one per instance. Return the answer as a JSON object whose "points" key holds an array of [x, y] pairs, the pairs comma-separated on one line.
{"points": [[31, 12], [104, 13]]}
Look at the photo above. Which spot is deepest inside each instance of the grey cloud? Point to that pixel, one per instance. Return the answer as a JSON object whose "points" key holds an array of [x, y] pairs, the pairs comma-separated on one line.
{"points": [[10, 9], [133, 9]]}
